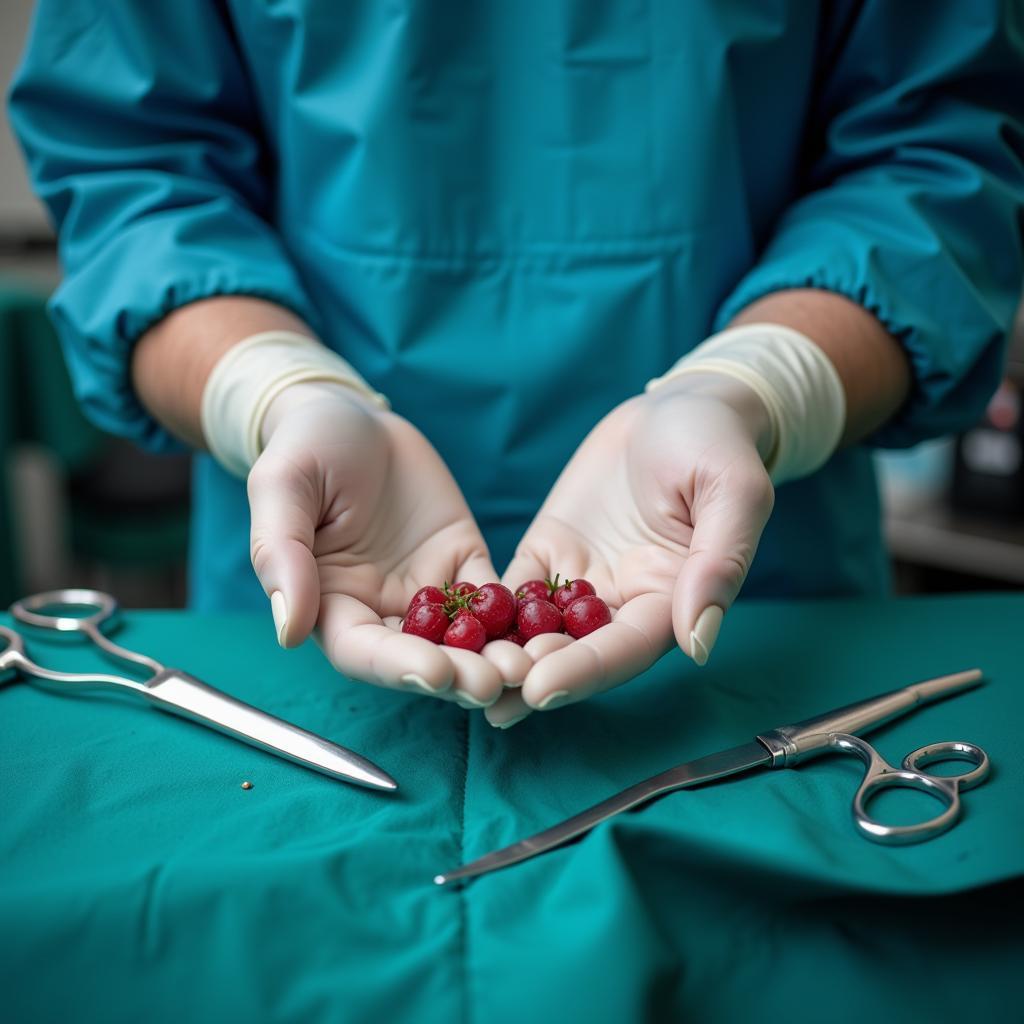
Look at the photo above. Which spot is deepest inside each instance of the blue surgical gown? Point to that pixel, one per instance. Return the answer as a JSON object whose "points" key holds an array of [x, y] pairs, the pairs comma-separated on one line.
{"points": [[508, 216]]}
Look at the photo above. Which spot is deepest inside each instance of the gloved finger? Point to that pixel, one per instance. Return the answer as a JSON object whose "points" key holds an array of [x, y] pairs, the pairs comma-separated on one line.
{"points": [[284, 509], [359, 645], [507, 710], [511, 661], [477, 682], [477, 685], [542, 645], [639, 633], [727, 526], [411, 687]]}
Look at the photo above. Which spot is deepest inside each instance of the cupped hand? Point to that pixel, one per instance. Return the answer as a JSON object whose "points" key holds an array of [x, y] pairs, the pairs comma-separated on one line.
{"points": [[661, 508], [352, 512]]}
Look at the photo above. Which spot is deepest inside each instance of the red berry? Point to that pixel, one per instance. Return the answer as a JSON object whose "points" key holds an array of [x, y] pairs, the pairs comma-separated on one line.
{"points": [[534, 590], [569, 591], [536, 617], [514, 637], [428, 621], [460, 589], [586, 614], [428, 595], [495, 607], [466, 632]]}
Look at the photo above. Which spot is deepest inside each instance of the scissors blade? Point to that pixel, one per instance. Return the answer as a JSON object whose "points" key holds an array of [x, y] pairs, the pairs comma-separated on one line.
{"points": [[181, 694], [693, 773]]}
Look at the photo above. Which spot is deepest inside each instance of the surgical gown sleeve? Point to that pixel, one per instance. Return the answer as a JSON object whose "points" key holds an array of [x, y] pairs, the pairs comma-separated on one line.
{"points": [[142, 138], [912, 201]]}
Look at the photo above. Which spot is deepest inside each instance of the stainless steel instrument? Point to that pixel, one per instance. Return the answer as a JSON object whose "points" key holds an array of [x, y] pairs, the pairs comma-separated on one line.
{"points": [[173, 690], [785, 747]]}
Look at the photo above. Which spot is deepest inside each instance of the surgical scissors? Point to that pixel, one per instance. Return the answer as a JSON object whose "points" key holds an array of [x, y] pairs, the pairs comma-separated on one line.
{"points": [[171, 689], [785, 747]]}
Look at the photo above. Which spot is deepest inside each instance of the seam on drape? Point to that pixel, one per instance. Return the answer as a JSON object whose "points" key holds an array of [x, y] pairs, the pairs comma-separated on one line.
{"points": [[463, 952]]}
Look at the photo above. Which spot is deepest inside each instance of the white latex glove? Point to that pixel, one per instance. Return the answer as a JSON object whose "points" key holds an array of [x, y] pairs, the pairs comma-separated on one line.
{"points": [[661, 508], [352, 512]]}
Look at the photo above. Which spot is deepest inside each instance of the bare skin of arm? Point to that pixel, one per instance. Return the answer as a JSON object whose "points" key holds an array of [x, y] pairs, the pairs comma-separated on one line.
{"points": [[870, 362], [173, 359]]}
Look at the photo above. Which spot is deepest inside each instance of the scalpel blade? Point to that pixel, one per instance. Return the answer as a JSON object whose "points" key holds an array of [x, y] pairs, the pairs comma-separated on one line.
{"points": [[181, 694], [704, 769]]}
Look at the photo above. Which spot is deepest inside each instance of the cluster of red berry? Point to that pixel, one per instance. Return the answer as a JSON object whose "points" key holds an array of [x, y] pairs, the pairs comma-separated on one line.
{"points": [[462, 615]]}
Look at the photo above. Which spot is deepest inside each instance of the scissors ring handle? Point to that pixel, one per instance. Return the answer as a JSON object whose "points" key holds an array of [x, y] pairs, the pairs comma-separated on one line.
{"points": [[879, 775], [29, 610], [951, 750], [899, 778], [32, 611], [12, 650]]}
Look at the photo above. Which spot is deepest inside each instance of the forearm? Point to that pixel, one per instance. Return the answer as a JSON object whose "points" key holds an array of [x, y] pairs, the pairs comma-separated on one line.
{"points": [[172, 361], [871, 364]]}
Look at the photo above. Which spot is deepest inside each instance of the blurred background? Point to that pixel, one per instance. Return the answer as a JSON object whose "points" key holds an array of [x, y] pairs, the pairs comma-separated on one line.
{"points": [[79, 508]]}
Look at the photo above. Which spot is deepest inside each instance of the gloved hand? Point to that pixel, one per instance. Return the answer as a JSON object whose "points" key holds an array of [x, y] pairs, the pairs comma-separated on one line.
{"points": [[352, 512], [661, 509]]}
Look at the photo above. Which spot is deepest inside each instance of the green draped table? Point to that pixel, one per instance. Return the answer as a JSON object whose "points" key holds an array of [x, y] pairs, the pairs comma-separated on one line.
{"points": [[140, 883]]}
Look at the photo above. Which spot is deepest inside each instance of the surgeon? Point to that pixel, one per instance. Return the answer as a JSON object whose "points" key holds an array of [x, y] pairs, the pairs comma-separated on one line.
{"points": [[611, 289]]}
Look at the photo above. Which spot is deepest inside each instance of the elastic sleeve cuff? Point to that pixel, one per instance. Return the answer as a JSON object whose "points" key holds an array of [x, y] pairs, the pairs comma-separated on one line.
{"points": [[98, 338], [955, 360]]}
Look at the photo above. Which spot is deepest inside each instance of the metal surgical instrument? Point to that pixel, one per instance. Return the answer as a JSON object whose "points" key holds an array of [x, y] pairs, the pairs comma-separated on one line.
{"points": [[785, 747], [171, 689]]}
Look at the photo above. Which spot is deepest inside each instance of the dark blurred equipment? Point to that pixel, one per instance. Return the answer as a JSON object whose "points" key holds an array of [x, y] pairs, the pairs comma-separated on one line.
{"points": [[988, 469], [960, 525], [118, 515]]}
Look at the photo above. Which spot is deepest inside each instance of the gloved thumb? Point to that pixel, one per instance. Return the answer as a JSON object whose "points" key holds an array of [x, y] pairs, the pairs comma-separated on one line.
{"points": [[728, 514], [285, 507]]}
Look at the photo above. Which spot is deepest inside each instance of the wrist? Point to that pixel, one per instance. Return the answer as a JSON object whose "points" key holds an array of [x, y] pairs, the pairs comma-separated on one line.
{"points": [[795, 380], [306, 393], [248, 379], [741, 399]]}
